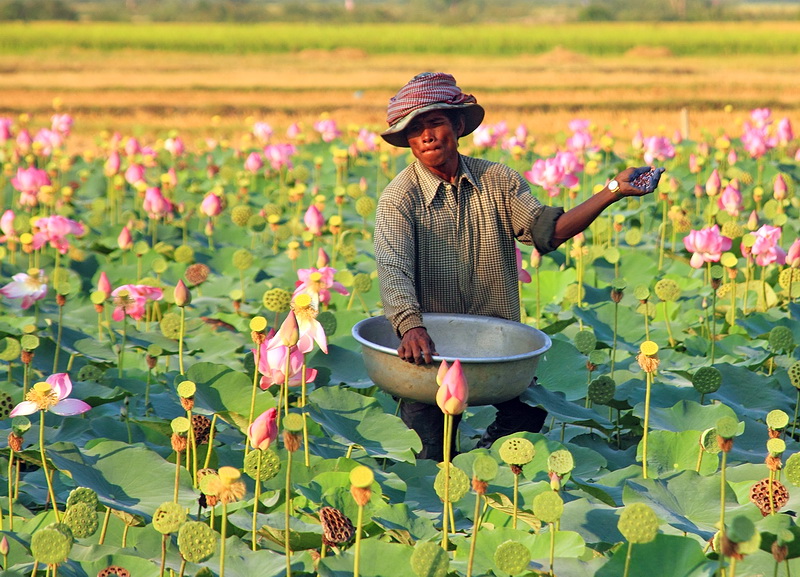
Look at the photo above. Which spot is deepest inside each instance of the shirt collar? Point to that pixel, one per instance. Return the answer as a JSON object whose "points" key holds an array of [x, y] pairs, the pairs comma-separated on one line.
{"points": [[429, 183]]}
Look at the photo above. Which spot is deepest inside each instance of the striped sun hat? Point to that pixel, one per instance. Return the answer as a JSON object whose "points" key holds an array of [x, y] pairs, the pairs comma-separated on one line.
{"points": [[423, 93]]}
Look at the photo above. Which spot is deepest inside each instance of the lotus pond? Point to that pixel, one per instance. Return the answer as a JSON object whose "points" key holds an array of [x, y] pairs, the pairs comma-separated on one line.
{"points": [[160, 426]]}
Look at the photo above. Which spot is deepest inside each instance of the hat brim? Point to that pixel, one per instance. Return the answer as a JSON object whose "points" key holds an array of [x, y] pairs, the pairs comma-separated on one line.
{"points": [[473, 116]]}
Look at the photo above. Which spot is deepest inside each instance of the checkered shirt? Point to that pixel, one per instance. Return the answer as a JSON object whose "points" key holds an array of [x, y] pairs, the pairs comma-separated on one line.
{"points": [[450, 248]]}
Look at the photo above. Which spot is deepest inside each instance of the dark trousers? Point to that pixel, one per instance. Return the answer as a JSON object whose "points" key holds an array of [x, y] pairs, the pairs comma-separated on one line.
{"points": [[428, 421]]}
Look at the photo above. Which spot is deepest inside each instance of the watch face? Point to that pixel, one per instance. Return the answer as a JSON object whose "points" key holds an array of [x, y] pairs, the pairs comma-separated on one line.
{"points": [[613, 186]]}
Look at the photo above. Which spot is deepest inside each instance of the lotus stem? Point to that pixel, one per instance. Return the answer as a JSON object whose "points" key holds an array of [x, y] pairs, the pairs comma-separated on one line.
{"points": [[255, 501], [50, 490], [106, 519], [285, 389], [552, 549], [183, 567], [796, 405], [614, 341], [163, 555], [359, 527], [122, 344], [181, 334], [628, 559], [286, 544], [177, 475], [516, 502], [59, 332], [306, 455], [253, 395], [538, 299], [669, 327], [193, 448], [713, 323], [476, 525], [662, 236], [448, 431], [210, 441], [649, 379], [125, 535], [722, 506], [223, 536], [10, 490]]}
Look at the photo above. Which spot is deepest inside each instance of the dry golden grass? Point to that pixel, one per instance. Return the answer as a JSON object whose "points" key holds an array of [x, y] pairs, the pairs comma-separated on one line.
{"points": [[148, 94]]}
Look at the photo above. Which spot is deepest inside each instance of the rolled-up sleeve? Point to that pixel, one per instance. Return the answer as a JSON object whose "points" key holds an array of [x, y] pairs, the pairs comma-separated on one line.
{"points": [[533, 222]]}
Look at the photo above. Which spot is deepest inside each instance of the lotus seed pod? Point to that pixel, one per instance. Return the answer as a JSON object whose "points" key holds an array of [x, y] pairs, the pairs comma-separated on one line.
{"points": [[708, 440], [560, 462], [717, 272], [790, 276], [115, 571], [82, 520], [270, 464], [6, 405], [82, 495], [459, 484], [601, 390], [429, 560], [180, 425], [707, 380], [776, 446], [517, 451], [641, 292], [668, 290], [362, 477], [484, 467], [362, 282], [794, 374], [277, 300], [293, 422], [785, 536], [170, 325], [197, 273], [598, 357], [585, 341], [792, 469], [272, 209], [732, 229], [51, 545], [739, 174], [257, 223], [345, 277], [187, 389], [648, 348], [336, 527], [727, 427], [512, 557], [29, 342], [168, 518], [781, 339], [619, 284], [10, 349], [90, 373], [184, 254], [242, 259], [548, 506], [348, 251], [638, 523], [240, 214], [196, 541], [761, 492], [20, 425], [328, 321], [740, 529], [365, 206]]}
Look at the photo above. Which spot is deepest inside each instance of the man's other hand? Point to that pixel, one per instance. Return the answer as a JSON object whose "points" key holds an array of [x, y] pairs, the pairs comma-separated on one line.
{"points": [[417, 347]]}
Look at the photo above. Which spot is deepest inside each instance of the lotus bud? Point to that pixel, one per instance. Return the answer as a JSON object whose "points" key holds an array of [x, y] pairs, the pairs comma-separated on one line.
{"points": [[182, 295]]}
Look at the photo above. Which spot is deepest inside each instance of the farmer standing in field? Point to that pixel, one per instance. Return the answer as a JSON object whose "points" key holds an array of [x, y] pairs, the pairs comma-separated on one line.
{"points": [[445, 235]]}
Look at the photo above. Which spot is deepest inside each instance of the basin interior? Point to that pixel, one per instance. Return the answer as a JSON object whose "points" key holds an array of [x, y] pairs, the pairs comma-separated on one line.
{"points": [[464, 337]]}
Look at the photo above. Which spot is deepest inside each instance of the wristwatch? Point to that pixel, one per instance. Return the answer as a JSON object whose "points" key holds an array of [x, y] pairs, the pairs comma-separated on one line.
{"points": [[613, 186]]}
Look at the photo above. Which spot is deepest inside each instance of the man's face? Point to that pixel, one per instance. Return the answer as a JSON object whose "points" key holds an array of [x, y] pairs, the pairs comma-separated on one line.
{"points": [[434, 140]]}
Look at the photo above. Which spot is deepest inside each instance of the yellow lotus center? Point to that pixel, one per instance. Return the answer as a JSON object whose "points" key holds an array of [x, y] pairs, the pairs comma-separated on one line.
{"points": [[315, 280], [303, 308], [43, 395], [228, 475], [649, 348], [33, 282]]}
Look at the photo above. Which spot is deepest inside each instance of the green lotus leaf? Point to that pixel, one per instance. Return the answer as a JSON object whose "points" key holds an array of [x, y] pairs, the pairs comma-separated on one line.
{"points": [[665, 556]]}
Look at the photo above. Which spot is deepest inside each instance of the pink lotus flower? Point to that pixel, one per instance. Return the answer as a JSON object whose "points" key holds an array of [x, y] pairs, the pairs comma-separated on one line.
{"points": [[104, 285], [522, 275], [733, 158], [549, 173], [658, 148], [761, 117], [517, 140], [7, 225], [30, 287], [793, 254], [314, 220], [264, 430], [155, 204], [322, 258], [327, 129], [367, 141], [765, 248], [487, 135], [132, 147], [29, 181], [134, 174], [288, 334], [125, 239], [24, 141], [731, 199], [6, 133], [48, 140], [54, 230], [175, 146], [131, 299], [272, 365], [262, 131], [279, 155], [305, 309], [694, 165], [637, 142], [784, 132], [253, 163], [212, 205], [294, 131], [707, 245], [779, 188], [453, 392], [51, 395], [112, 164], [318, 282], [714, 183]]}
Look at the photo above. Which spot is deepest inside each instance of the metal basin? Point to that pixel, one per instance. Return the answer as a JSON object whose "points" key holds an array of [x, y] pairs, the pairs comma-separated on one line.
{"points": [[499, 357]]}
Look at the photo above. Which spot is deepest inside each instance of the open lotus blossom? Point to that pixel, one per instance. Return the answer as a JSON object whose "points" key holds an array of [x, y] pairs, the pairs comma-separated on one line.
{"points": [[155, 204], [131, 299], [658, 148], [6, 133], [175, 146], [327, 129], [453, 392], [517, 140], [52, 395], [134, 174], [262, 131], [318, 282], [263, 431], [765, 249], [522, 275], [54, 230], [279, 155], [784, 131], [29, 286], [29, 181], [488, 135], [581, 139], [549, 173], [310, 329], [48, 140], [707, 245], [272, 365], [7, 226]]}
